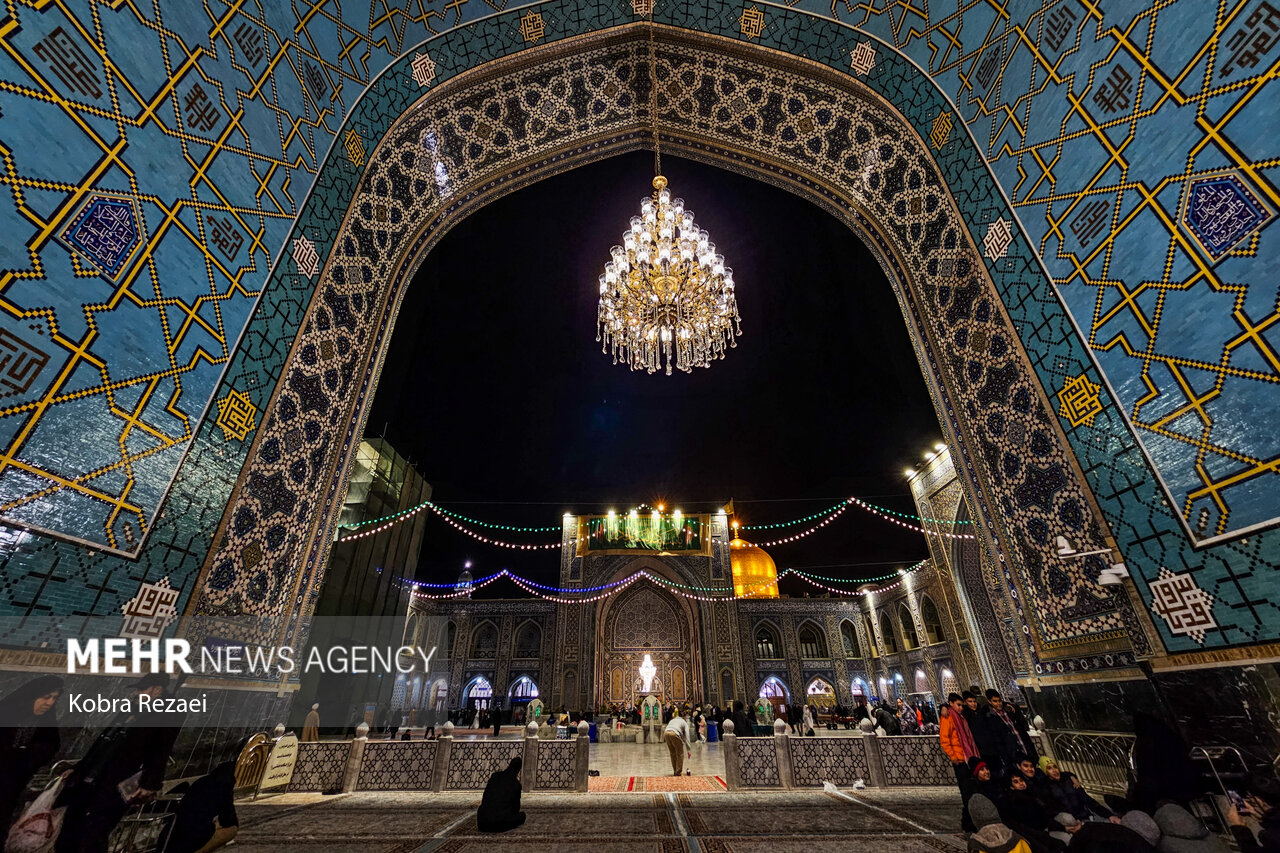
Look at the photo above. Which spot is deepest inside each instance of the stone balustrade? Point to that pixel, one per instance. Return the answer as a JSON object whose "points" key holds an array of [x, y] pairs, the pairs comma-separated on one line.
{"points": [[785, 761], [442, 764]]}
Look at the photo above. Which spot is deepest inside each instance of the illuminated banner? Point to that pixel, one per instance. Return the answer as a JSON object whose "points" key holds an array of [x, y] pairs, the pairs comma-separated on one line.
{"points": [[644, 532]]}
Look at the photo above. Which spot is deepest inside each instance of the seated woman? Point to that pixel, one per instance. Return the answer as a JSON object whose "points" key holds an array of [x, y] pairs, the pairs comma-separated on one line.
{"points": [[500, 804], [1065, 794]]}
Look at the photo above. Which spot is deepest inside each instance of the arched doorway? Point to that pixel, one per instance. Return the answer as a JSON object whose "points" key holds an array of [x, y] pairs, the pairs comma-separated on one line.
{"points": [[820, 694], [773, 691], [522, 691], [478, 694], [438, 696], [646, 622]]}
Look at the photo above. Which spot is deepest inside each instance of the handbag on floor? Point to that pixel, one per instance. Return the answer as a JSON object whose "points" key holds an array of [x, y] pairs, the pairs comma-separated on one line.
{"points": [[36, 831]]}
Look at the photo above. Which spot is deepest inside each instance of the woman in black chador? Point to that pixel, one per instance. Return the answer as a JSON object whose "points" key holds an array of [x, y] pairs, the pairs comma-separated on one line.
{"points": [[28, 738], [500, 805]]}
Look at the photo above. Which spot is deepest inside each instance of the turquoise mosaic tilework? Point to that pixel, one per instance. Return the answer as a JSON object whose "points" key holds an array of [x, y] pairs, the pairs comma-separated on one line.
{"points": [[158, 161]]}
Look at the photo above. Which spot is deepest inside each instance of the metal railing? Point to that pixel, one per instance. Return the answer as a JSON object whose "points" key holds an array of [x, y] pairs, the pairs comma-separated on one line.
{"points": [[1102, 761]]}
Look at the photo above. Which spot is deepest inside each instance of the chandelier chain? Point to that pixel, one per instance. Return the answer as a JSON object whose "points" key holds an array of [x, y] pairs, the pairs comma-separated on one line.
{"points": [[666, 294], [653, 95]]}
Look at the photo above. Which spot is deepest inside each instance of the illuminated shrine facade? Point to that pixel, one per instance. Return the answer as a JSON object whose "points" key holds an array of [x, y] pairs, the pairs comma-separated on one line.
{"points": [[704, 645]]}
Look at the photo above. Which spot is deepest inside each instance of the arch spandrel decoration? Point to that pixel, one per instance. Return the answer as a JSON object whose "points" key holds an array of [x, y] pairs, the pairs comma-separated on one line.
{"points": [[873, 172], [176, 542]]}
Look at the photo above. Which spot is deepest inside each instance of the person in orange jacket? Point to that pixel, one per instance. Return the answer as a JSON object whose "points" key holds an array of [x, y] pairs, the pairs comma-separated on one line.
{"points": [[958, 744]]}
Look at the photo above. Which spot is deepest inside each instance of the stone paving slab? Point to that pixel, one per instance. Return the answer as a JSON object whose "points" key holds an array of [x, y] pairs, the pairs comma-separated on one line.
{"points": [[906, 820]]}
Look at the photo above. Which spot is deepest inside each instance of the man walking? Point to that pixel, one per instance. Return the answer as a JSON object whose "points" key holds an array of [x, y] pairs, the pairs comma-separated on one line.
{"points": [[677, 737], [123, 767], [497, 719]]}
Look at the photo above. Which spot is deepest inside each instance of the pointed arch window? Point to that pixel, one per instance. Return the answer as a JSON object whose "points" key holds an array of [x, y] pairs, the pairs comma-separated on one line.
{"points": [[529, 640], [812, 642], [909, 636], [849, 639], [768, 645], [523, 689], [932, 624], [887, 636], [484, 643]]}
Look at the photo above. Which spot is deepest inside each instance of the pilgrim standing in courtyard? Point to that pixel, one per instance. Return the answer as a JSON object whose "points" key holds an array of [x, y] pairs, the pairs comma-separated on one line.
{"points": [[311, 725], [500, 803], [497, 720], [678, 742], [28, 737]]}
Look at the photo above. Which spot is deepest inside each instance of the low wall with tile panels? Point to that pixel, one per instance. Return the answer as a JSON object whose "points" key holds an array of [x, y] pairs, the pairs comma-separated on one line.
{"points": [[437, 765], [791, 762], [836, 760], [757, 762], [914, 760], [320, 766]]}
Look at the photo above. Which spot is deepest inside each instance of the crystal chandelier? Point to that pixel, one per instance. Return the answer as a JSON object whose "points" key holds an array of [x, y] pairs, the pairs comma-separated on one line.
{"points": [[666, 288]]}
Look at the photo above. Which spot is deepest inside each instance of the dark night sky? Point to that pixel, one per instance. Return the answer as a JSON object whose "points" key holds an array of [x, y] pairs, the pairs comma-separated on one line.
{"points": [[496, 389]]}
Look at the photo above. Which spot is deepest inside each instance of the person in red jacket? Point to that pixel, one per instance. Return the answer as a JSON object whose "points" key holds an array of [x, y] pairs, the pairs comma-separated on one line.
{"points": [[958, 744]]}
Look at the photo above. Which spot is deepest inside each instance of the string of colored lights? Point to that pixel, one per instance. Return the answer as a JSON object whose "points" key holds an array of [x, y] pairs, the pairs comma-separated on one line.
{"points": [[679, 588], [883, 577], [404, 514], [551, 593], [808, 579], [920, 518], [834, 515], [461, 592], [455, 585], [874, 511], [460, 517], [795, 521], [391, 522], [485, 539], [588, 600]]}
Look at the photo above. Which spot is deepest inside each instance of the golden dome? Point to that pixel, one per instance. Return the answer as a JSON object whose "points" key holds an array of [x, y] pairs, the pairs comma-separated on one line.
{"points": [[752, 567]]}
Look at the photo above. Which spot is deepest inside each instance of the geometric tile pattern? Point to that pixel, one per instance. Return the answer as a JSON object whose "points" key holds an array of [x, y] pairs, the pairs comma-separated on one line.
{"points": [[556, 762], [914, 760], [320, 766], [836, 760], [395, 766], [471, 763], [758, 762], [1123, 142]]}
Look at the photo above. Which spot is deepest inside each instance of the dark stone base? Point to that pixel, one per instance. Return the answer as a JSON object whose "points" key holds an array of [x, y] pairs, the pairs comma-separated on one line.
{"points": [[1229, 706]]}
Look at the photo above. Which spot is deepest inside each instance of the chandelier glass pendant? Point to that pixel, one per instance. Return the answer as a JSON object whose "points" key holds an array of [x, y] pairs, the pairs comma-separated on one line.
{"points": [[666, 291]]}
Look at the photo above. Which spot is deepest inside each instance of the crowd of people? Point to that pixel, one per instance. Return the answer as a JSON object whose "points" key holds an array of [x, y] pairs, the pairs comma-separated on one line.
{"points": [[123, 767], [1015, 801]]}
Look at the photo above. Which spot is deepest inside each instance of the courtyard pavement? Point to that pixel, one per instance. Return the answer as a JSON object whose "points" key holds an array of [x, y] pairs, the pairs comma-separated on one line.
{"points": [[905, 820]]}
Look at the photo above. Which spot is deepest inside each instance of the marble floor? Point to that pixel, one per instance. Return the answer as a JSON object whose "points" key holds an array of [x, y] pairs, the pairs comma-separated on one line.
{"points": [[904, 820]]}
